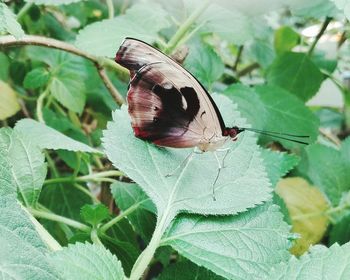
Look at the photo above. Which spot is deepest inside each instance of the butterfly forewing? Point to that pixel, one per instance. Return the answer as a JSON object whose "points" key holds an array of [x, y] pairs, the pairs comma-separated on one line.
{"points": [[167, 105]]}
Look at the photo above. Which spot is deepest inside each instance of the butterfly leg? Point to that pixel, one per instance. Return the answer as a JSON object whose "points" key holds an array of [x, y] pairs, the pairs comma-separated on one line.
{"points": [[221, 166], [182, 164]]}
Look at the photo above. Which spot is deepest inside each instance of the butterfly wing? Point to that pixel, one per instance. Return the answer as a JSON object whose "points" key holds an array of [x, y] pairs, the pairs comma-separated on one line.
{"points": [[167, 105]]}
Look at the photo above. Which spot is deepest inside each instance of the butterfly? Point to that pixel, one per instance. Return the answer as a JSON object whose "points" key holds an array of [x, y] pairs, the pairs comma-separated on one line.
{"points": [[169, 106]]}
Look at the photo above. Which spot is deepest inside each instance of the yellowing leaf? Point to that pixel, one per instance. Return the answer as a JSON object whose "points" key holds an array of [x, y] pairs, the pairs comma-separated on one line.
{"points": [[8, 101], [305, 205]]}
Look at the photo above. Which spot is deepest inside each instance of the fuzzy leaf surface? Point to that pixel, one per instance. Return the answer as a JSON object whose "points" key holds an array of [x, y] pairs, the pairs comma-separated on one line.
{"points": [[242, 184], [8, 22], [48, 138], [320, 264], [88, 262], [244, 246]]}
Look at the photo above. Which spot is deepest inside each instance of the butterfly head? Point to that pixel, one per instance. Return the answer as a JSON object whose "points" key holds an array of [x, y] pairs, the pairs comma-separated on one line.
{"points": [[232, 132]]}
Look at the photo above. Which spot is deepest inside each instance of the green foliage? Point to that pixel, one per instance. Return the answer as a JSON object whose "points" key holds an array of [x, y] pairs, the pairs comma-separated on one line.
{"points": [[286, 114], [48, 138], [268, 64], [8, 22], [27, 165], [278, 164], [328, 169], [94, 214], [187, 271], [204, 64], [113, 31], [289, 71], [321, 263], [244, 246], [285, 39], [142, 216], [36, 78], [87, 261]]}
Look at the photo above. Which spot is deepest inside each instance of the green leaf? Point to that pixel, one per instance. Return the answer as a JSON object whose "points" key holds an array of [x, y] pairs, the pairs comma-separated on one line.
{"points": [[88, 262], [340, 232], [205, 64], [315, 9], [5, 65], [187, 270], [230, 24], [65, 200], [304, 203], [36, 78], [94, 214], [278, 164], [8, 22], [52, 2], [285, 39], [328, 171], [262, 51], [344, 6], [67, 72], [321, 61], [23, 254], [321, 263], [142, 21], [249, 104], [143, 217], [9, 104], [27, 164], [48, 138], [241, 185], [296, 73], [285, 114], [244, 246]]}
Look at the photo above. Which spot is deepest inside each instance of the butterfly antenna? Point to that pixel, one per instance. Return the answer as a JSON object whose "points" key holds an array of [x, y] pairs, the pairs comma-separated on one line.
{"points": [[278, 135]]}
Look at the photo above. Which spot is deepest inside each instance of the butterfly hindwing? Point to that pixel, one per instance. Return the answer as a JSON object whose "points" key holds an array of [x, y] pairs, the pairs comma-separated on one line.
{"points": [[167, 104]]}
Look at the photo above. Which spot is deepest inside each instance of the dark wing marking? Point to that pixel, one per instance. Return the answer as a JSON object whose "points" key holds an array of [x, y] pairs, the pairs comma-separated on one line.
{"points": [[164, 78]]}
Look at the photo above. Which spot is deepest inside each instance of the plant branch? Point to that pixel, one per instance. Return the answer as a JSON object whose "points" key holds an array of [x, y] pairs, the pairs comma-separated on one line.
{"points": [[39, 106], [124, 214], [58, 218], [101, 176], [319, 35], [238, 58], [181, 32], [109, 85], [43, 233], [248, 69], [10, 41], [146, 256], [110, 7]]}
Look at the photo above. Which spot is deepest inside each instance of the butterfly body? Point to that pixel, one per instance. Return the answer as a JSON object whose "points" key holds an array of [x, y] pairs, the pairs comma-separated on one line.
{"points": [[167, 105]]}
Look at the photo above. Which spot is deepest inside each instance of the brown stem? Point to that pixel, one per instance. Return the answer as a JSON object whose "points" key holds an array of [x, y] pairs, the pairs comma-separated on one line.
{"points": [[109, 85], [319, 35], [10, 41], [238, 58], [248, 69]]}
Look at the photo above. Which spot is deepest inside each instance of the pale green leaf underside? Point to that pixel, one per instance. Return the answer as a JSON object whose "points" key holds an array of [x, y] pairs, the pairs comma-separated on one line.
{"points": [[242, 184], [237, 247], [22, 251], [278, 164], [87, 262], [142, 21], [321, 264], [8, 22], [48, 138], [27, 164]]}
